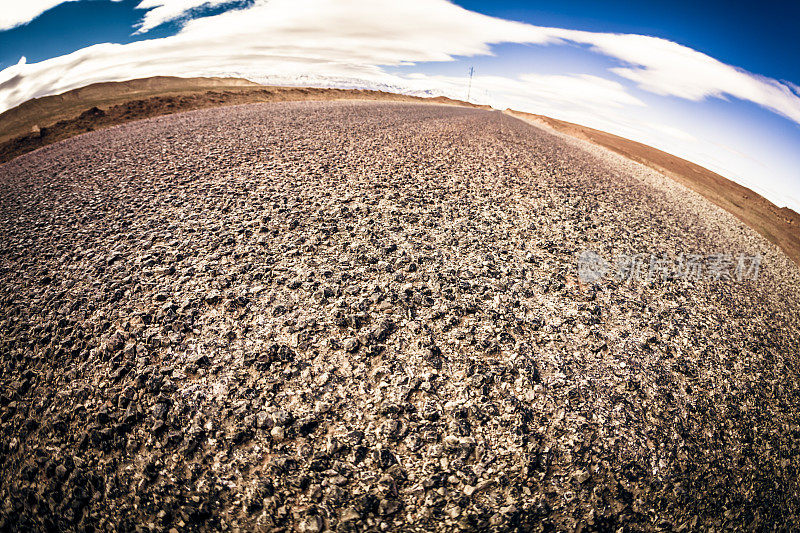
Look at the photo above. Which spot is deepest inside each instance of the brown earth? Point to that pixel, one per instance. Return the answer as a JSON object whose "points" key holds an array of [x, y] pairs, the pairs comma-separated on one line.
{"points": [[48, 110]]}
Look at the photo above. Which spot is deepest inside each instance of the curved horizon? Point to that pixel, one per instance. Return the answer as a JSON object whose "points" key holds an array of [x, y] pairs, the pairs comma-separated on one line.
{"points": [[742, 125]]}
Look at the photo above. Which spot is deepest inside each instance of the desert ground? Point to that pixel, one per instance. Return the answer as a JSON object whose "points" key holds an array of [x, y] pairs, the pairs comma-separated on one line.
{"points": [[779, 225], [43, 121], [366, 316]]}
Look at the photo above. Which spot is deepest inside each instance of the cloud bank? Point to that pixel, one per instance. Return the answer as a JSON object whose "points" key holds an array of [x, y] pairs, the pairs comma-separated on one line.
{"points": [[360, 36], [355, 42]]}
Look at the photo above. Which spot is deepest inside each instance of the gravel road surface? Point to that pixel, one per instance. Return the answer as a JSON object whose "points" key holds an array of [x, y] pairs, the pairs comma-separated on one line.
{"points": [[368, 316]]}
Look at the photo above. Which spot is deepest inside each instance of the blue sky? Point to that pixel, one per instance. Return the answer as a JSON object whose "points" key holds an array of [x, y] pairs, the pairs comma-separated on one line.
{"points": [[759, 37], [74, 25], [714, 82]]}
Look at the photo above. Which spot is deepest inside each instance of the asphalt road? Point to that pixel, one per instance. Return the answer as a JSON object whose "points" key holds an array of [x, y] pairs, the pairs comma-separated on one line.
{"points": [[367, 316]]}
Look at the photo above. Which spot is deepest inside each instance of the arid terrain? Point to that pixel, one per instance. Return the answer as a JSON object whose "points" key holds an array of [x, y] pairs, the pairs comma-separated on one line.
{"points": [[48, 110], [366, 316], [43, 121], [780, 225]]}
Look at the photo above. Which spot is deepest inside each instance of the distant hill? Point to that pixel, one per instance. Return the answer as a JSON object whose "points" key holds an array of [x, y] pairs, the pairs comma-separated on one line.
{"points": [[48, 110]]}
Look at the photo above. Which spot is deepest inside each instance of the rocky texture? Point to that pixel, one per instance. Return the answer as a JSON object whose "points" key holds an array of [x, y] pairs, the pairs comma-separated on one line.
{"points": [[355, 316], [779, 225], [44, 121]]}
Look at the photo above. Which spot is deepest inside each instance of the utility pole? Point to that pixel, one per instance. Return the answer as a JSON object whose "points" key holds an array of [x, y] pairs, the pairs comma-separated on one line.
{"points": [[469, 87]]}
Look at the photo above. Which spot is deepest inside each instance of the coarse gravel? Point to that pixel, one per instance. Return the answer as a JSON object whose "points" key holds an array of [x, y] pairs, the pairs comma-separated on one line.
{"points": [[361, 316]]}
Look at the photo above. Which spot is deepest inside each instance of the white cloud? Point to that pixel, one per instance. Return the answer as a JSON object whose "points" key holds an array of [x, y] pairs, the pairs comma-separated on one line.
{"points": [[365, 34], [570, 97], [666, 68], [352, 42], [16, 13], [675, 133], [161, 11], [280, 37]]}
